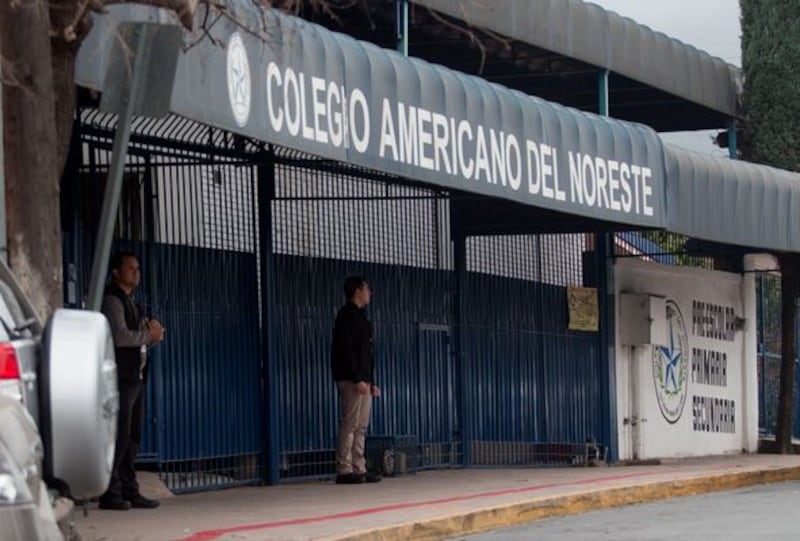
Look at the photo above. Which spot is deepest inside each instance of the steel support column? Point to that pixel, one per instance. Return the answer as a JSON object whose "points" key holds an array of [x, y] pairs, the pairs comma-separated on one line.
{"points": [[604, 261], [269, 322], [459, 292], [733, 152], [401, 19], [603, 89]]}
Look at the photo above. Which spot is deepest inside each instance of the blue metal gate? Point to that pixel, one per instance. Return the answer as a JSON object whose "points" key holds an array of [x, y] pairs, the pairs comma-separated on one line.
{"points": [[188, 212], [437, 423], [527, 379], [521, 384], [535, 386]]}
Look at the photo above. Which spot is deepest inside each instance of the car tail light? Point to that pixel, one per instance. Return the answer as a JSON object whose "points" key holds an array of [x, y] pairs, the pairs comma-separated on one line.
{"points": [[10, 381], [9, 367]]}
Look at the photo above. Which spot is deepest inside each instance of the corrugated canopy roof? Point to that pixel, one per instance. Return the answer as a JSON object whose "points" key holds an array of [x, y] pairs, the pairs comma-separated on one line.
{"points": [[732, 202], [333, 96], [605, 39], [327, 94]]}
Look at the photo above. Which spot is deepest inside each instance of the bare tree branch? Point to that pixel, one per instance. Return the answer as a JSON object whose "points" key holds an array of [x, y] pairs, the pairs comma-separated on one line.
{"points": [[184, 9], [471, 33], [69, 33]]}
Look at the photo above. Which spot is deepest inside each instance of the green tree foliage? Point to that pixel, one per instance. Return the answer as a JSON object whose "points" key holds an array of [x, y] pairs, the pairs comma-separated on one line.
{"points": [[678, 246], [770, 56]]}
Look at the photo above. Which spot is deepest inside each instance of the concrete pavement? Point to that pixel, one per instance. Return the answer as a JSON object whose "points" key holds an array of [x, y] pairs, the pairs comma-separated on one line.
{"points": [[426, 505]]}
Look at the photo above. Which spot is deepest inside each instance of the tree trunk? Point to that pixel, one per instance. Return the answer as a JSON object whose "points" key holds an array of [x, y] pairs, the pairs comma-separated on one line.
{"points": [[64, 52], [39, 42], [790, 272], [32, 164]]}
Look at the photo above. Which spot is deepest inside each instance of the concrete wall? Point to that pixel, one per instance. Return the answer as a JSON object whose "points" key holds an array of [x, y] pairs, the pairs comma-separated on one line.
{"points": [[695, 394]]}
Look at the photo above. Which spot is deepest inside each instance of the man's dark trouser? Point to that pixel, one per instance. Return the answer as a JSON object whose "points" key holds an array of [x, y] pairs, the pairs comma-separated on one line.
{"points": [[123, 484]]}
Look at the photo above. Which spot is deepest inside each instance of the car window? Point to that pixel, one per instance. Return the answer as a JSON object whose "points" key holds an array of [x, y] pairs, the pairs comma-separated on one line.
{"points": [[10, 310]]}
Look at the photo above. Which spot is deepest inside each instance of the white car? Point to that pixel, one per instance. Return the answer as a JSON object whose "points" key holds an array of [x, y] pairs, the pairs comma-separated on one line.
{"points": [[58, 414]]}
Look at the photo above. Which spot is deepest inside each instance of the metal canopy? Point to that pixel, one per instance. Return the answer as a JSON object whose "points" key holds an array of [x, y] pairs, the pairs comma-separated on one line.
{"points": [[732, 202], [332, 96], [605, 39], [454, 39], [301, 86]]}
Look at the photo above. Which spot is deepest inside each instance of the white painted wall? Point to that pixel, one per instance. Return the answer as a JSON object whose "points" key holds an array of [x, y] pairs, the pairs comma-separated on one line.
{"points": [[655, 432]]}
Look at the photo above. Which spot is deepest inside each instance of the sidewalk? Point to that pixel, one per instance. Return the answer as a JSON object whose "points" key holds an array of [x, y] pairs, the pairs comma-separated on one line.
{"points": [[427, 505]]}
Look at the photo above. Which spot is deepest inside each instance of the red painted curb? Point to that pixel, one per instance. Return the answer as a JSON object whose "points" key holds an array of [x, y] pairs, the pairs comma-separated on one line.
{"points": [[213, 534]]}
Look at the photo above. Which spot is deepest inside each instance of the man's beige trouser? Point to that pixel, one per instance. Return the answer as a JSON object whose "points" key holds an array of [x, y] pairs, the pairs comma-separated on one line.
{"points": [[355, 410]]}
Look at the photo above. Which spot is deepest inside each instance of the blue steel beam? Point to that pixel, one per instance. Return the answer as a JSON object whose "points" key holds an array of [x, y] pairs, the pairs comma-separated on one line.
{"points": [[401, 18], [459, 291], [604, 263], [269, 349], [732, 142]]}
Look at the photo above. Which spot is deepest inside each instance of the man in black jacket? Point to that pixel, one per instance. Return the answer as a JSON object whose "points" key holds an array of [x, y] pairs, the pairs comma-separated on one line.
{"points": [[353, 363], [132, 333]]}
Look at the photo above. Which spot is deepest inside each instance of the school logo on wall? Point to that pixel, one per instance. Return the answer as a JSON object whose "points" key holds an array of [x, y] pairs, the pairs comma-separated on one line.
{"points": [[238, 79], [671, 366]]}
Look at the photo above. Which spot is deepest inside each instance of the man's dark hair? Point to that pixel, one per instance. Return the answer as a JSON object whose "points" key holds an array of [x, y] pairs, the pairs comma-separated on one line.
{"points": [[352, 284], [119, 259]]}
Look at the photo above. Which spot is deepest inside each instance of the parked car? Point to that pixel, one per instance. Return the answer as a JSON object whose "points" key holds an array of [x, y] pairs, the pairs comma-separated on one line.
{"points": [[58, 414]]}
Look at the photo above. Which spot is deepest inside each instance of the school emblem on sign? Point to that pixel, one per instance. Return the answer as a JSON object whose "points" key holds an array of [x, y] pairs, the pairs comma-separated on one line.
{"points": [[671, 366], [238, 79]]}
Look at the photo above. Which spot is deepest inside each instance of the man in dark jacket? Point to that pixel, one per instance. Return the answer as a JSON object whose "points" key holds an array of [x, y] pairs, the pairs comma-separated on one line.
{"points": [[132, 333], [353, 363]]}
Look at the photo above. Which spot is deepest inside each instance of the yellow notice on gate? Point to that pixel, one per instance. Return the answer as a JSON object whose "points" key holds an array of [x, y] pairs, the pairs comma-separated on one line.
{"points": [[584, 312]]}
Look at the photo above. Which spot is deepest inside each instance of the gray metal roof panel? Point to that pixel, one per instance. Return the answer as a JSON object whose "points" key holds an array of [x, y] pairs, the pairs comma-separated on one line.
{"points": [[701, 196], [618, 165], [732, 202], [589, 33]]}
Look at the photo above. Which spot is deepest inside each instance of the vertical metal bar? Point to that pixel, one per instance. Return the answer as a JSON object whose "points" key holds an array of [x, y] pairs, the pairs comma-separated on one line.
{"points": [[269, 350], [113, 188], [155, 405], [149, 197], [72, 193], [733, 152], [459, 316], [87, 242], [252, 225], [541, 366], [760, 352], [604, 265], [170, 184], [401, 18], [604, 250], [796, 430], [603, 107], [228, 212]]}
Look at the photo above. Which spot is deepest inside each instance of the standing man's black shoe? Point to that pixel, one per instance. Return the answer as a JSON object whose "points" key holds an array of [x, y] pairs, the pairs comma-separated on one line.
{"points": [[140, 502], [372, 478], [114, 505], [349, 479]]}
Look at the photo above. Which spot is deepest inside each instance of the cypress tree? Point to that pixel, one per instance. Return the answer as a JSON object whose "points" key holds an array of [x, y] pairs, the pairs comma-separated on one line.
{"points": [[771, 135]]}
